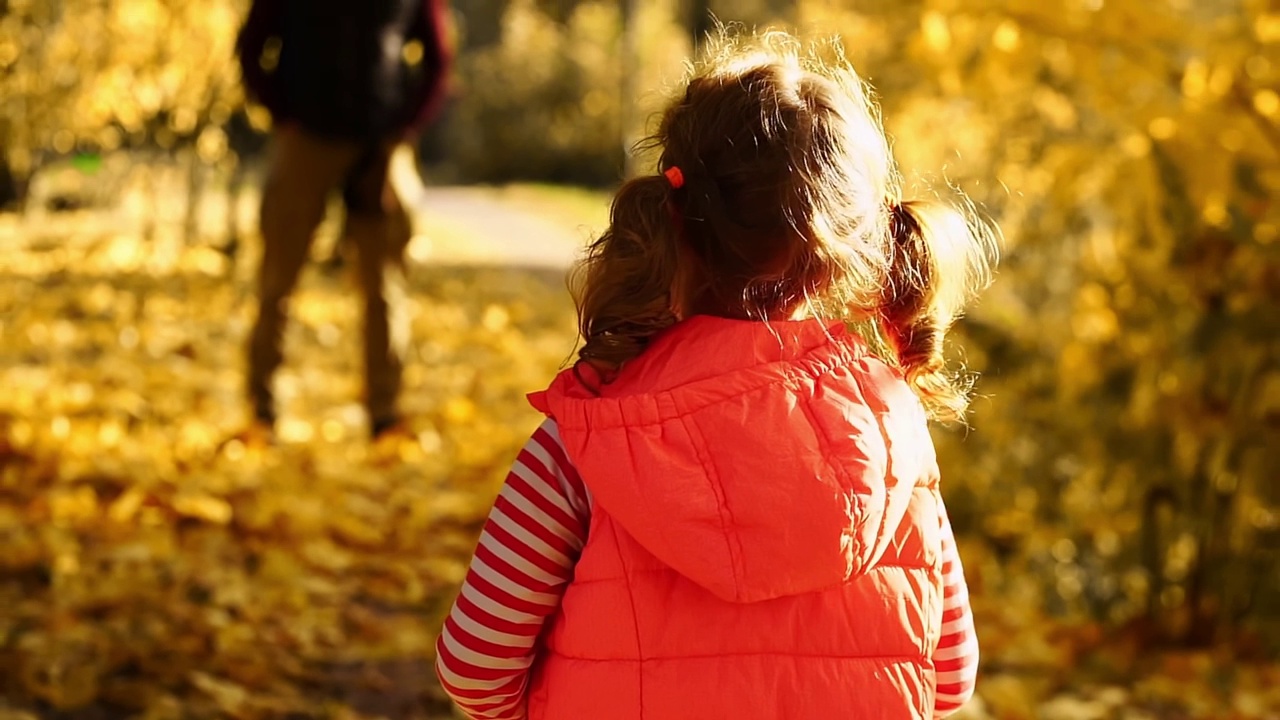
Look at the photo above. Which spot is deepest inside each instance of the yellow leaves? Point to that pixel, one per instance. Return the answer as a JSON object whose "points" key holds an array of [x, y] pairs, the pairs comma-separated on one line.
{"points": [[1093, 320], [140, 17], [103, 64], [1063, 550], [1267, 102], [1056, 108], [411, 53], [1107, 542], [459, 410], [495, 318], [325, 554], [1179, 557], [124, 508], [1007, 36], [183, 120], [596, 103], [1258, 67], [1221, 79], [63, 141], [1162, 128], [73, 506], [935, 31], [257, 565], [60, 428], [295, 430], [64, 667], [1214, 210], [211, 145], [231, 699], [367, 529], [1201, 81], [1077, 368], [1267, 28], [1267, 398], [201, 506], [221, 19], [1195, 79]]}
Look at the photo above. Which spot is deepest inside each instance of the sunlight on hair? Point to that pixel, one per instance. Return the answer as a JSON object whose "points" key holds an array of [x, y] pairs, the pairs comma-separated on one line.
{"points": [[786, 212], [964, 250]]}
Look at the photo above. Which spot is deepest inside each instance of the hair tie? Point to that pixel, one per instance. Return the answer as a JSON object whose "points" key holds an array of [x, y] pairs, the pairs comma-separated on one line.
{"points": [[675, 177]]}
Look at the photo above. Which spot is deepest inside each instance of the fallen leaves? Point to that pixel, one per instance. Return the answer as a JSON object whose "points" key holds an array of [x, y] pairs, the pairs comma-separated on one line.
{"points": [[152, 567]]}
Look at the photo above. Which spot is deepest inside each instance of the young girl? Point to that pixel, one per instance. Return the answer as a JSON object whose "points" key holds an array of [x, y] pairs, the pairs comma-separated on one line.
{"points": [[733, 509]]}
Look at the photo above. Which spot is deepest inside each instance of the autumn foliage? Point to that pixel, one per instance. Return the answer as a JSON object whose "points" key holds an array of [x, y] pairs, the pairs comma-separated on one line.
{"points": [[1116, 492]]}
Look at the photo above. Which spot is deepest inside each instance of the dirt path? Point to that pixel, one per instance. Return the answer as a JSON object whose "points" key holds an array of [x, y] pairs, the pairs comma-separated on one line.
{"points": [[480, 226], [463, 225], [455, 225]]}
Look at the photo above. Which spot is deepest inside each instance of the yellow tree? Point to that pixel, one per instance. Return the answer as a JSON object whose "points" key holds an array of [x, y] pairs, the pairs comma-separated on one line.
{"points": [[1130, 151], [99, 75]]}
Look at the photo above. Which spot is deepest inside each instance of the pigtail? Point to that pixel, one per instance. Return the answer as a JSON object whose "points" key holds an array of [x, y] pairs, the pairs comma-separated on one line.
{"points": [[771, 206], [939, 259], [623, 286]]}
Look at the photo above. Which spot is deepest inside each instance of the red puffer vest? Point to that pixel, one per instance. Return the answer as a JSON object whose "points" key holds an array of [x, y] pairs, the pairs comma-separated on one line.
{"points": [[765, 538]]}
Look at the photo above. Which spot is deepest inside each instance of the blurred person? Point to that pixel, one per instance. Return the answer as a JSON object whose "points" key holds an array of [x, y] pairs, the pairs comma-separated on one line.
{"points": [[732, 509], [345, 83]]}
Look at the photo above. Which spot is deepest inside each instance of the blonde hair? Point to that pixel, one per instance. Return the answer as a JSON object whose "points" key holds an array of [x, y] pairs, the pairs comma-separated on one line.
{"points": [[790, 205]]}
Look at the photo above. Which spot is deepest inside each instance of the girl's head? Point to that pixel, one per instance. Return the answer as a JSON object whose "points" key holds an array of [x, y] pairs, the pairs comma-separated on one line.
{"points": [[784, 202]]}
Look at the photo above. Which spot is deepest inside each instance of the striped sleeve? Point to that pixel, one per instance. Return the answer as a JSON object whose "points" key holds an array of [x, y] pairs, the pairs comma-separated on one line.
{"points": [[956, 660], [522, 564]]}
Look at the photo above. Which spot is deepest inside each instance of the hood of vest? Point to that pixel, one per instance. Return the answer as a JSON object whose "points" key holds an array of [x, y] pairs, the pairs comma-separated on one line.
{"points": [[759, 460]]}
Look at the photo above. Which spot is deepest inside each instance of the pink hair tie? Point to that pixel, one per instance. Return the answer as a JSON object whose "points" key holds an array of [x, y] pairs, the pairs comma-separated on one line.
{"points": [[675, 177]]}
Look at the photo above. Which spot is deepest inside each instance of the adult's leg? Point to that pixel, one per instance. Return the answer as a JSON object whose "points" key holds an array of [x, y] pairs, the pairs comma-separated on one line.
{"points": [[304, 169], [380, 229]]}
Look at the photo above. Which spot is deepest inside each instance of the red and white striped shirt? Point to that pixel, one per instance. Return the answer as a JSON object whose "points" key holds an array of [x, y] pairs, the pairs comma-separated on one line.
{"points": [[525, 559]]}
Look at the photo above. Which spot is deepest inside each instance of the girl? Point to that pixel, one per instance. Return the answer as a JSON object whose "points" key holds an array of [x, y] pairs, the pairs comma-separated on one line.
{"points": [[732, 510]]}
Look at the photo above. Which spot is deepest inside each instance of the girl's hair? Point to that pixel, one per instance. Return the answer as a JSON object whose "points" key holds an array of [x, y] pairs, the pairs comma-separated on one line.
{"points": [[790, 206]]}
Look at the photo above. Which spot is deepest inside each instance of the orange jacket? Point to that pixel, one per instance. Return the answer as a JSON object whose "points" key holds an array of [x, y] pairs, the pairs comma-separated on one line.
{"points": [[765, 536]]}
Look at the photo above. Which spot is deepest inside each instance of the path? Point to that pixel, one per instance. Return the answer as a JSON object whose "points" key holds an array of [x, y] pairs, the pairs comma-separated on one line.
{"points": [[456, 225], [479, 228], [476, 225]]}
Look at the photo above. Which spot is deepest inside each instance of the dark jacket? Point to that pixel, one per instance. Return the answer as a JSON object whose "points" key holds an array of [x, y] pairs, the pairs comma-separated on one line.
{"points": [[336, 66]]}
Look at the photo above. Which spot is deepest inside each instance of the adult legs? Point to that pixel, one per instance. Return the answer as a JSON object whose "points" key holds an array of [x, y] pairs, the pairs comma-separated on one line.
{"points": [[380, 230], [304, 169]]}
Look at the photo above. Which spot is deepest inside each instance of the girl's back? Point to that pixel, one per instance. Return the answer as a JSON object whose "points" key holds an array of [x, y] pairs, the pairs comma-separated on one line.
{"points": [[733, 509], [765, 518]]}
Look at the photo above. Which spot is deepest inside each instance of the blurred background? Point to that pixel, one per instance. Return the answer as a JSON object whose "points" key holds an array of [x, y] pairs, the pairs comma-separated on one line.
{"points": [[1117, 494]]}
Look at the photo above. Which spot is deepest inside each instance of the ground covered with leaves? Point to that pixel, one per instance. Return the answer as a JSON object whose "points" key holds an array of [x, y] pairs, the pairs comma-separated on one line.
{"points": [[146, 570], [150, 569]]}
